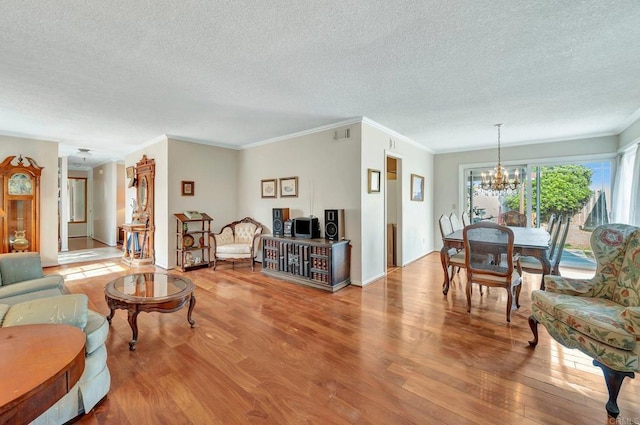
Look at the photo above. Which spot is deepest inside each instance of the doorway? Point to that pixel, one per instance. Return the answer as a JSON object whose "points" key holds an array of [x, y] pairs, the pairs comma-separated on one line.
{"points": [[393, 201]]}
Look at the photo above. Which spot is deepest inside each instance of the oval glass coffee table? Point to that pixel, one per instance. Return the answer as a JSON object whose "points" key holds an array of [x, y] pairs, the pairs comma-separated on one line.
{"points": [[149, 292]]}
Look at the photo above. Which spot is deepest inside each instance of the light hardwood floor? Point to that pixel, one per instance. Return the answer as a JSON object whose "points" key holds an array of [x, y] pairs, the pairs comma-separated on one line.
{"points": [[266, 351]]}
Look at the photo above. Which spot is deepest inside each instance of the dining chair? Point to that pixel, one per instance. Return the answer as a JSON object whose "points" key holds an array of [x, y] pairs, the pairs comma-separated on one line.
{"points": [[466, 220], [514, 219], [456, 258], [455, 222], [487, 240], [551, 223], [533, 265]]}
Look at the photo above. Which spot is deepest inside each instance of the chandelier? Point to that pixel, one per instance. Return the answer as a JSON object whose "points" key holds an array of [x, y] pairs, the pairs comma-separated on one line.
{"points": [[497, 181], [83, 153]]}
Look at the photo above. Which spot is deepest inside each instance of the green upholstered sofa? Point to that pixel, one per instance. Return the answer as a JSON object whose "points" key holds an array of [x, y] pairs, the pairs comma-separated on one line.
{"points": [[71, 309], [598, 316], [22, 279]]}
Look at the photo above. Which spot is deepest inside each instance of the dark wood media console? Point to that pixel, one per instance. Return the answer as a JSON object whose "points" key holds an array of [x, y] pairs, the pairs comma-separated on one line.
{"points": [[314, 262]]}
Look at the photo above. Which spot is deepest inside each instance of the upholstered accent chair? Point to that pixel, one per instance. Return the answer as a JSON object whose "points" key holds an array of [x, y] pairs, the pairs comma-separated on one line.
{"points": [[598, 316], [236, 241]]}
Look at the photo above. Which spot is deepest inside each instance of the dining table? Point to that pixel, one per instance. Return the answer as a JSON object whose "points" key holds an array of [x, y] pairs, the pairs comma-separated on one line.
{"points": [[527, 241]]}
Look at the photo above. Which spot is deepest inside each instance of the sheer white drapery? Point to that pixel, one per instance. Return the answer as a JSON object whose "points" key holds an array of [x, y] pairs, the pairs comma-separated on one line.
{"points": [[626, 189]]}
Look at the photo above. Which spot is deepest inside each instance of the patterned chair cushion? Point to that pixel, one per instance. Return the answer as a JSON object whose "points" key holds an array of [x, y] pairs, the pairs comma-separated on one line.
{"points": [[627, 291], [233, 249], [568, 286], [245, 232], [615, 358], [597, 318]]}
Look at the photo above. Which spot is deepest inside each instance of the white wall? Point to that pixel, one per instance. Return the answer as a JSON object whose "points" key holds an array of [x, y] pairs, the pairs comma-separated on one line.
{"points": [[104, 203], [415, 224], [46, 155], [214, 171], [328, 174], [448, 186]]}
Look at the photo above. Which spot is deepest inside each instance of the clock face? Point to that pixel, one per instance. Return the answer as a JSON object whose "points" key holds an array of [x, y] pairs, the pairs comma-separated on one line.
{"points": [[20, 184]]}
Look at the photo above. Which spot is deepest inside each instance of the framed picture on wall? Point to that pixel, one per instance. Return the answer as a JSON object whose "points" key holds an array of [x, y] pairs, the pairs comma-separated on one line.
{"points": [[188, 188], [269, 188], [288, 187], [374, 181], [417, 187]]}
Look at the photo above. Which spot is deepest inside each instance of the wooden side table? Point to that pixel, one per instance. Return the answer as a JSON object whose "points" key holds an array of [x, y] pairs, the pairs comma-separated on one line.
{"points": [[39, 364]]}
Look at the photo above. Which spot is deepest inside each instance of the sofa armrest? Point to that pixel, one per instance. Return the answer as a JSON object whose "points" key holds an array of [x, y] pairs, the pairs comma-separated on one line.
{"points": [[70, 309], [568, 286], [631, 319], [52, 281]]}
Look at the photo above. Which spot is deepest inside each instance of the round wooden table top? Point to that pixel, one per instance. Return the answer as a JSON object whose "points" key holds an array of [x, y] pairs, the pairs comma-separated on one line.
{"points": [[38, 364]]}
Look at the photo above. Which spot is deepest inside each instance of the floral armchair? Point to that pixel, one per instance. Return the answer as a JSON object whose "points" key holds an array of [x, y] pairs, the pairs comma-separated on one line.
{"points": [[236, 241], [598, 316]]}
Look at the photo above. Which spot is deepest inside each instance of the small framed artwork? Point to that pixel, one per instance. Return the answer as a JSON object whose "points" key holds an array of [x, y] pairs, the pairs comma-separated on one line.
{"points": [[288, 187], [268, 188], [417, 187], [374, 181], [188, 188], [131, 175]]}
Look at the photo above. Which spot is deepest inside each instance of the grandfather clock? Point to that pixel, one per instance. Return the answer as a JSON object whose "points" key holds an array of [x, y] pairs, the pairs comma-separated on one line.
{"points": [[21, 204]]}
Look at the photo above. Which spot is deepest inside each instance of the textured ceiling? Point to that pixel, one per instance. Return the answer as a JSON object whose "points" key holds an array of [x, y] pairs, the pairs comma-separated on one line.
{"points": [[113, 75]]}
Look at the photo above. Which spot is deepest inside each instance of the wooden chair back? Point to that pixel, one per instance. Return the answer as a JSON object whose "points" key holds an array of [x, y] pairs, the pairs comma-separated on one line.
{"points": [[455, 222], [514, 219]]}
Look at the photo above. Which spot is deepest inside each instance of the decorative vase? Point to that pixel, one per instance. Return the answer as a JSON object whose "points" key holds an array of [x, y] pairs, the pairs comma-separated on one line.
{"points": [[20, 243]]}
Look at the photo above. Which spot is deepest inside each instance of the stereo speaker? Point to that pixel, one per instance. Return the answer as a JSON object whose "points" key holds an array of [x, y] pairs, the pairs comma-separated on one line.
{"points": [[280, 215], [334, 225], [288, 228]]}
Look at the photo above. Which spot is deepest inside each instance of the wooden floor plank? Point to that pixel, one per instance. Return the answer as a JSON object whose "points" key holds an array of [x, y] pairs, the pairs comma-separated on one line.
{"points": [[267, 351]]}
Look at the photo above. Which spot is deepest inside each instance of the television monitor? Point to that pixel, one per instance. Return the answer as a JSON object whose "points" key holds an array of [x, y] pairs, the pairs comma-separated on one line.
{"points": [[306, 227]]}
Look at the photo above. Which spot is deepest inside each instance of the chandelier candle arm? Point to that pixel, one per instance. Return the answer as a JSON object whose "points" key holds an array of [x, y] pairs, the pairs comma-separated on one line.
{"points": [[499, 183]]}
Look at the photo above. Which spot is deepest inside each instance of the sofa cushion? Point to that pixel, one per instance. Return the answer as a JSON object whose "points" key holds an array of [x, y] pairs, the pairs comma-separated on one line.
{"points": [[244, 233], [69, 309], [19, 266], [597, 318], [627, 291]]}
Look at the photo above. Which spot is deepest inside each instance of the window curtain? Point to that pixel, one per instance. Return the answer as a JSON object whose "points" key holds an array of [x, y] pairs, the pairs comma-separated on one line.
{"points": [[626, 189]]}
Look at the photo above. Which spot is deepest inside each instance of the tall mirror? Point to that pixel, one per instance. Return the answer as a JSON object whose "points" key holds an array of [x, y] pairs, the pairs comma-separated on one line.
{"points": [[77, 199]]}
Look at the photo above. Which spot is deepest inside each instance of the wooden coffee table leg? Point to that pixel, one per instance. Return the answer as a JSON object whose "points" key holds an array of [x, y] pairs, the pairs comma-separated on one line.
{"points": [[133, 322], [110, 316], [192, 304]]}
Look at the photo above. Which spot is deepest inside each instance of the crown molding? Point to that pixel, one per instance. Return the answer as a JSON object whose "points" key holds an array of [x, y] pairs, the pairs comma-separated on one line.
{"points": [[314, 130], [396, 135], [629, 121]]}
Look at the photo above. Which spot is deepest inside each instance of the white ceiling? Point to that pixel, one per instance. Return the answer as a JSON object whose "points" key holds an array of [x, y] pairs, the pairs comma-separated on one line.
{"points": [[112, 75]]}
